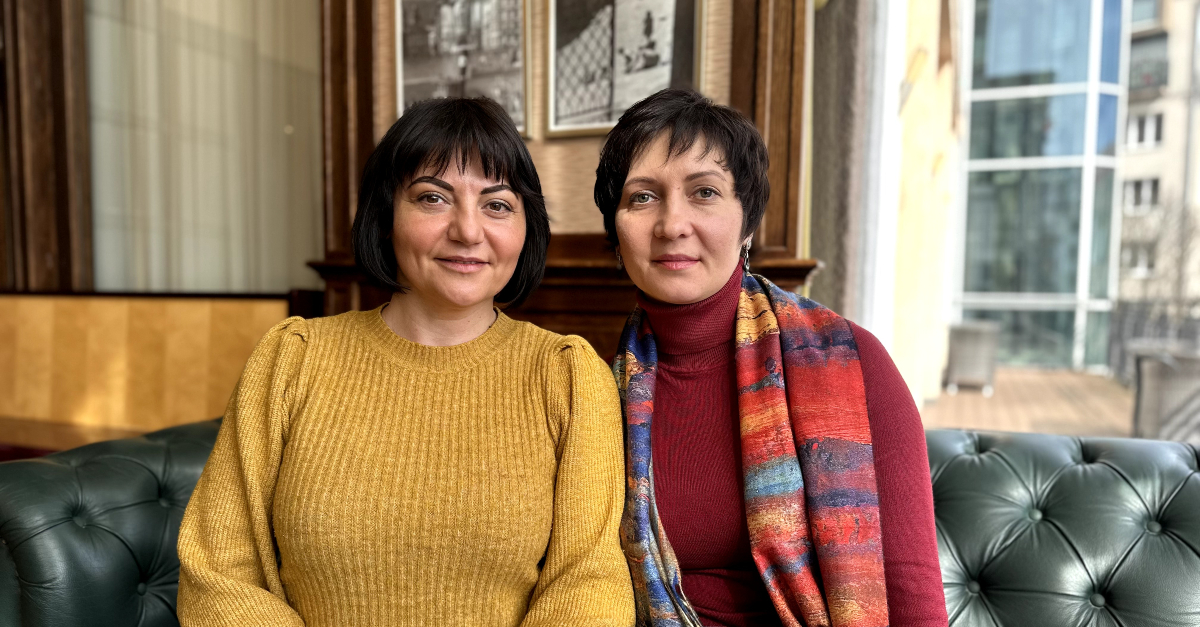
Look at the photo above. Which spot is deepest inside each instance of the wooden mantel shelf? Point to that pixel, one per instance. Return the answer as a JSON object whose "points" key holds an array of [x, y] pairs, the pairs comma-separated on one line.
{"points": [[583, 292]]}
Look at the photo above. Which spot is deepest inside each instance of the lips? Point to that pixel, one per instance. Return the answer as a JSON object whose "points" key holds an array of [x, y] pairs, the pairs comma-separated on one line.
{"points": [[675, 262], [464, 265]]}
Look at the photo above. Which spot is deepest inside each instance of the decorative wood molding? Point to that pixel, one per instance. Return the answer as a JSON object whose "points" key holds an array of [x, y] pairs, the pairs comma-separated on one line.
{"points": [[782, 97], [46, 230], [350, 98]]}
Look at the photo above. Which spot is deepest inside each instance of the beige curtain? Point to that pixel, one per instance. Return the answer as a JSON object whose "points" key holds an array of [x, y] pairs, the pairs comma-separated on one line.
{"points": [[206, 144]]}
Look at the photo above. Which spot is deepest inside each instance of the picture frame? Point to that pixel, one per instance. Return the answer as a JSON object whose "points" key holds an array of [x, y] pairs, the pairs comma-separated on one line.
{"points": [[466, 48], [602, 56]]}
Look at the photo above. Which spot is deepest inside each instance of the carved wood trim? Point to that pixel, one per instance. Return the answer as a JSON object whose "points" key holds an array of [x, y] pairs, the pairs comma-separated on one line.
{"points": [[782, 97], [46, 239]]}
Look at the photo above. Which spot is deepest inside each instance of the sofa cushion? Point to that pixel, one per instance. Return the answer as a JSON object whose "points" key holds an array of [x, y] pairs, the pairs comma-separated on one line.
{"points": [[88, 535], [1053, 530]]}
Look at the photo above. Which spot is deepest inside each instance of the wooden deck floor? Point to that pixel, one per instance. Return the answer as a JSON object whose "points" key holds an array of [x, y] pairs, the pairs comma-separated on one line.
{"points": [[1039, 401]]}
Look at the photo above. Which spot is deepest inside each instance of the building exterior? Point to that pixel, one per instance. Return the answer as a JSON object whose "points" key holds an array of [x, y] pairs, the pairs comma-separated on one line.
{"points": [[1043, 87], [931, 132], [1160, 239]]}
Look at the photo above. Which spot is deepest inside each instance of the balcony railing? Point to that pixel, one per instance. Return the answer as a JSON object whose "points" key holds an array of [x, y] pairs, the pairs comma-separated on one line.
{"points": [[1147, 73]]}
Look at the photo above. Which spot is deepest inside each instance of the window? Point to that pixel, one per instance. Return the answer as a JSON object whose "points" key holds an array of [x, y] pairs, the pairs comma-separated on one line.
{"points": [[1110, 43], [1144, 131], [1028, 127], [1148, 62], [1031, 338], [205, 145], [1102, 232], [1031, 42], [1141, 196], [1137, 259], [1106, 131], [1145, 13], [1023, 231]]}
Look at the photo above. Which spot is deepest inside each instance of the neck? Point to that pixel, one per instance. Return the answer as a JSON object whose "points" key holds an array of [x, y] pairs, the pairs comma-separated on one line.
{"points": [[417, 320], [702, 328]]}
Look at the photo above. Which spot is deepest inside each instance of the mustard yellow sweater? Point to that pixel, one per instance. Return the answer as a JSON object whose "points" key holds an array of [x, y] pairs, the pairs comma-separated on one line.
{"points": [[360, 479]]}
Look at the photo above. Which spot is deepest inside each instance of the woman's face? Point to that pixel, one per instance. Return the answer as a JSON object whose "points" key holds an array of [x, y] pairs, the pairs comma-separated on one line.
{"points": [[457, 235], [679, 223]]}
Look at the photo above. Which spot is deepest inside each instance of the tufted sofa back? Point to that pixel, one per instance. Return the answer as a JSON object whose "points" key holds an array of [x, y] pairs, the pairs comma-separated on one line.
{"points": [[1066, 532], [1033, 530], [87, 536]]}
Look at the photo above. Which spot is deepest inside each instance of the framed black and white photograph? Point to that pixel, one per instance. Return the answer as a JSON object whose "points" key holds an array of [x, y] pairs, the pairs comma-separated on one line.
{"points": [[463, 48], [605, 55]]}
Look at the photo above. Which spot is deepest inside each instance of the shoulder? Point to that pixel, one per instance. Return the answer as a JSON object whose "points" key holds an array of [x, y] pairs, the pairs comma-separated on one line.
{"points": [[558, 349], [345, 323], [291, 330], [879, 371], [889, 399]]}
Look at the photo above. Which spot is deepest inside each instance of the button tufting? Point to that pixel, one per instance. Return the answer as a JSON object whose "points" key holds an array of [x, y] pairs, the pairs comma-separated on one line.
{"points": [[1153, 526], [79, 520], [1098, 600], [141, 589], [164, 502], [973, 587], [1035, 514]]}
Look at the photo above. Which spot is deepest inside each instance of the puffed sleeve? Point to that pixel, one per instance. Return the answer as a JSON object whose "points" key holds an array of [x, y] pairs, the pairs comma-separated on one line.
{"points": [[585, 580], [228, 574]]}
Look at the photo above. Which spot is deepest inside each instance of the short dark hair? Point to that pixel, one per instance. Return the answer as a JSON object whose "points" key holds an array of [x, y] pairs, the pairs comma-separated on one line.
{"points": [[431, 134], [687, 116]]}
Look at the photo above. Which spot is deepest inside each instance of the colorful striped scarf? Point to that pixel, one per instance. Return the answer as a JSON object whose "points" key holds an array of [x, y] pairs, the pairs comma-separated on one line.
{"points": [[809, 475]]}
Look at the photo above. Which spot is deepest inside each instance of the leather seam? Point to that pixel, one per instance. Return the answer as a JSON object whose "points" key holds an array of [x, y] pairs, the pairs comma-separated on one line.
{"points": [[1075, 551], [1121, 562], [1129, 483]]}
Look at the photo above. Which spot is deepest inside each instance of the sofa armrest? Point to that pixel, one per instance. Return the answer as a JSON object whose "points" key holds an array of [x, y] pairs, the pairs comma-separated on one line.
{"points": [[88, 535]]}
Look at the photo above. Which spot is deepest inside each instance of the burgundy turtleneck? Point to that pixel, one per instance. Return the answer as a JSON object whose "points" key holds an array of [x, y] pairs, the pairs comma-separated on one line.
{"points": [[698, 470]]}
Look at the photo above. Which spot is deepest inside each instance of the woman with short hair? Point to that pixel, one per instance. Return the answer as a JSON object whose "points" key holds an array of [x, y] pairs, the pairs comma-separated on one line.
{"points": [[432, 461], [776, 464]]}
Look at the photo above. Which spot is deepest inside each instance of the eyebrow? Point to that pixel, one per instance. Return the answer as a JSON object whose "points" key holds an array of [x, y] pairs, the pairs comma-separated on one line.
{"points": [[495, 188], [433, 181], [640, 180], [646, 180], [695, 175]]}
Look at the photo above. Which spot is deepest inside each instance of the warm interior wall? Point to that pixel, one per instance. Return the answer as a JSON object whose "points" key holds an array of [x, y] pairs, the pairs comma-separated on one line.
{"points": [[136, 364], [929, 154]]}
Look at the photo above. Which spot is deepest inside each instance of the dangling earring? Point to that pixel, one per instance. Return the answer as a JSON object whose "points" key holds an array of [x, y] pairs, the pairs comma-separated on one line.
{"points": [[620, 262], [746, 259]]}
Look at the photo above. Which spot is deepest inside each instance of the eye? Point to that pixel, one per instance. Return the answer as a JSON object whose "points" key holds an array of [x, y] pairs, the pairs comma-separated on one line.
{"points": [[706, 193], [498, 206], [640, 198], [431, 198]]}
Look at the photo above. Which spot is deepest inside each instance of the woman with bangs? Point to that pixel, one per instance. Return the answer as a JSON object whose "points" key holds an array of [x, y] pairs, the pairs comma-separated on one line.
{"points": [[777, 472], [432, 461]]}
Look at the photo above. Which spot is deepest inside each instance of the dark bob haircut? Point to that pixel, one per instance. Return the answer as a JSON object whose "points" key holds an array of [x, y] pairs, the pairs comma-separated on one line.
{"points": [[688, 117], [432, 134]]}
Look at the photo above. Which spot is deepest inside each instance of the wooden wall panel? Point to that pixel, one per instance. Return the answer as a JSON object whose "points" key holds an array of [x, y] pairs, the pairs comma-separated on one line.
{"points": [[45, 223], [104, 366]]}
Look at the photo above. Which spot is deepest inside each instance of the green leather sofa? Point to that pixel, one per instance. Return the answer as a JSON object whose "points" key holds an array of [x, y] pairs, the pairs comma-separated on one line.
{"points": [[1033, 530]]}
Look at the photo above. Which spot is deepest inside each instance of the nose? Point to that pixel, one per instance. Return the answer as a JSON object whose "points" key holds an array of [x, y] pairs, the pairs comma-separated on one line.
{"points": [[673, 220], [465, 225]]}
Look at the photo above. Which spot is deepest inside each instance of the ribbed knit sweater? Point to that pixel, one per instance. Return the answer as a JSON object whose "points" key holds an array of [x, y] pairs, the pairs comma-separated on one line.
{"points": [[363, 479]]}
